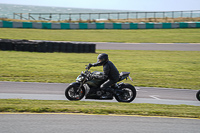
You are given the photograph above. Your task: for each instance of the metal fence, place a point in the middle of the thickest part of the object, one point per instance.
(106, 16)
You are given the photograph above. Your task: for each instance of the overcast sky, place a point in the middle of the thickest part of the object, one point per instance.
(143, 5)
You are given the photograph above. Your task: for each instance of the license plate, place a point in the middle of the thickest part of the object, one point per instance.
(130, 78)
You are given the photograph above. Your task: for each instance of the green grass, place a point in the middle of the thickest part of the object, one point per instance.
(50, 106)
(171, 69)
(131, 36)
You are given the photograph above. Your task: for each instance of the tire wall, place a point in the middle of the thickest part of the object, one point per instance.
(46, 46)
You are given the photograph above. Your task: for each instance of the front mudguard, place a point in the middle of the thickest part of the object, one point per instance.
(75, 84)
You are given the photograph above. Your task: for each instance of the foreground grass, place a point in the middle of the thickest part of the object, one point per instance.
(41, 106)
(170, 69)
(129, 36)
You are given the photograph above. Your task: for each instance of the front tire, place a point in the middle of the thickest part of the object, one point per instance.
(128, 94)
(73, 93)
(198, 95)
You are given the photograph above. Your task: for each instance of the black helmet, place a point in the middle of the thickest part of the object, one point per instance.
(102, 58)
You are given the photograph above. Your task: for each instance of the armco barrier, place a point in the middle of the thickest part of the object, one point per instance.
(27, 24)
(133, 26)
(91, 26)
(39, 25)
(166, 25)
(46, 46)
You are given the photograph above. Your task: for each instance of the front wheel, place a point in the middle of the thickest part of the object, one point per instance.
(73, 93)
(127, 94)
(198, 95)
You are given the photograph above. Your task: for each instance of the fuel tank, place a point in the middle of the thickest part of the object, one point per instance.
(95, 82)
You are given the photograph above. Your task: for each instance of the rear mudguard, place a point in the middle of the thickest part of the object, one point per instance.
(121, 84)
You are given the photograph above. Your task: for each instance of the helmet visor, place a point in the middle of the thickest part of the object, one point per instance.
(99, 60)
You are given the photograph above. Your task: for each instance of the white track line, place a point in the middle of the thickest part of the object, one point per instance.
(155, 97)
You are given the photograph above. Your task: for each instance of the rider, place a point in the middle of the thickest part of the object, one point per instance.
(110, 72)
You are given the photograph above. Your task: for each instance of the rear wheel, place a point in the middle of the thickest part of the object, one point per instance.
(73, 93)
(198, 95)
(127, 93)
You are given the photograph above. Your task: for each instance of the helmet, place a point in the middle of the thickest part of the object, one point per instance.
(102, 58)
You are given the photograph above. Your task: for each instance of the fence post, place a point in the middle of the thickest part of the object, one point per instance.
(136, 15)
(21, 16)
(50, 16)
(39, 16)
(127, 15)
(145, 15)
(89, 16)
(13, 15)
(118, 16)
(70, 16)
(79, 16)
(59, 17)
(28, 16)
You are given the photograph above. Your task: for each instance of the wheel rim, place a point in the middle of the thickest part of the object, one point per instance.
(75, 95)
(127, 94)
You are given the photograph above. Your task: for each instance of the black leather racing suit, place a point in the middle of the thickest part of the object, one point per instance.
(110, 74)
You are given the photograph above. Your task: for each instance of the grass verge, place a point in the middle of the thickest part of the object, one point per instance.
(170, 69)
(128, 36)
(42, 106)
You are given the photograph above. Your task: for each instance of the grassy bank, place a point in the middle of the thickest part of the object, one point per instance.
(129, 36)
(40, 106)
(171, 69)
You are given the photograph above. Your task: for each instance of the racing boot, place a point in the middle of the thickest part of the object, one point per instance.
(115, 92)
(107, 94)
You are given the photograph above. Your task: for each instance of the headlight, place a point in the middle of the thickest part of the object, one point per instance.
(80, 78)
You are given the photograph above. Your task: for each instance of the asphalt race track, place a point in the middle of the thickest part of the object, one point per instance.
(149, 46)
(55, 91)
(65, 123)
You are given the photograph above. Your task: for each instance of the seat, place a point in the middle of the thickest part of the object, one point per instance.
(123, 75)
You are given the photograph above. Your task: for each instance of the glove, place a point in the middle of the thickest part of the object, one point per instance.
(89, 66)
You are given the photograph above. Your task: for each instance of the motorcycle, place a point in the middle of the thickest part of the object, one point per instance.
(89, 87)
(198, 95)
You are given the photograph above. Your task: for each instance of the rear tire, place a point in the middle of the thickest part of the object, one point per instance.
(128, 95)
(198, 95)
(71, 93)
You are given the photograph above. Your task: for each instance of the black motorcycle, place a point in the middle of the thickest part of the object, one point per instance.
(198, 95)
(89, 87)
